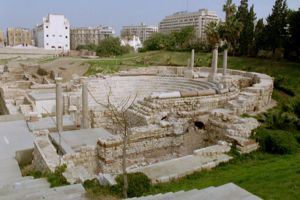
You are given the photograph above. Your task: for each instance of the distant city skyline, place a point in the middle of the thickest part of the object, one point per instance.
(114, 13)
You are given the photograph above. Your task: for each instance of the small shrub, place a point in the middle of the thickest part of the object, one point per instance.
(281, 120)
(56, 178)
(42, 72)
(29, 170)
(296, 108)
(138, 184)
(276, 141)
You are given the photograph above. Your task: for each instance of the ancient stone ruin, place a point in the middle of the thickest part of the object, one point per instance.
(185, 119)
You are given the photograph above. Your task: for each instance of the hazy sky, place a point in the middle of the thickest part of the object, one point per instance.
(115, 13)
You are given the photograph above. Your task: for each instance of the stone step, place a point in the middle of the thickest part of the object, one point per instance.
(14, 179)
(232, 192)
(175, 168)
(58, 193)
(9, 168)
(198, 194)
(229, 191)
(212, 150)
(26, 186)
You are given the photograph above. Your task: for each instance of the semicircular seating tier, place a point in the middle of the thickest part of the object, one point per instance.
(119, 88)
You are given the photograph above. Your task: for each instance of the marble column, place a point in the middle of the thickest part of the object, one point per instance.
(225, 54)
(59, 105)
(193, 59)
(214, 64)
(85, 106)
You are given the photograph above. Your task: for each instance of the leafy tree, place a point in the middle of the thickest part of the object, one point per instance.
(247, 18)
(229, 8)
(276, 28)
(90, 47)
(230, 33)
(294, 33)
(126, 34)
(159, 41)
(111, 47)
(182, 40)
(212, 32)
(259, 36)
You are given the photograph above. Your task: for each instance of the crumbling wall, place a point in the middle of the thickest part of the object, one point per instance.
(144, 143)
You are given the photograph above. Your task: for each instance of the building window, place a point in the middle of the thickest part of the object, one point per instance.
(60, 35)
(47, 35)
(66, 27)
(53, 35)
(46, 26)
(66, 45)
(66, 36)
(53, 47)
(47, 44)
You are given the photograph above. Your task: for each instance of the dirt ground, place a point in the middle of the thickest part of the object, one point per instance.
(64, 66)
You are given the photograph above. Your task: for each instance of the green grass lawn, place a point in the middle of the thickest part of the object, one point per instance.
(268, 176)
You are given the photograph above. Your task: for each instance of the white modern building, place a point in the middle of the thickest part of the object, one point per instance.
(134, 42)
(53, 33)
(198, 20)
(142, 31)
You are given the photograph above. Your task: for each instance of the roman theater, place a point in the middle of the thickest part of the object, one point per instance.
(182, 119)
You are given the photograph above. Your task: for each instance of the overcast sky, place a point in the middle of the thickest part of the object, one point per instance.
(115, 13)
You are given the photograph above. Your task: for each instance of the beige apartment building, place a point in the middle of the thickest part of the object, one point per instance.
(142, 31)
(89, 35)
(2, 38)
(179, 20)
(19, 36)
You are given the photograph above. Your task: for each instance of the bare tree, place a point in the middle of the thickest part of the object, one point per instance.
(121, 124)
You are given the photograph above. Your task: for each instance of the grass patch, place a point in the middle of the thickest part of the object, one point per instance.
(94, 191)
(47, 60)
(55, 178)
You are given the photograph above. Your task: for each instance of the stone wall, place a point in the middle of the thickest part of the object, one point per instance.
(45, 158)
(86, 157)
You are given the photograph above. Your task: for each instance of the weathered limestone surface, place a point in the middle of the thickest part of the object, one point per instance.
(174, 117)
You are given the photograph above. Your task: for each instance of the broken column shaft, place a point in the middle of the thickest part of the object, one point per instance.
(59, 105)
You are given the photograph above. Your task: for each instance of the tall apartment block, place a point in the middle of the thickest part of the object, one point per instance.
(19, 36)
(142, 31)
(179, 20)
(53, 33)
(90, 35)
